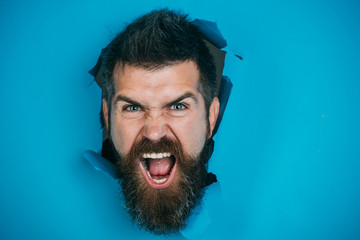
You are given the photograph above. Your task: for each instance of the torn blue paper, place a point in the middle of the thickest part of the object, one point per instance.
(211, 32)
(100, 163)
(224, 94)
(214, 36)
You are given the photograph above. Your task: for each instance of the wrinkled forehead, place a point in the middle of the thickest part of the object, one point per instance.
(177, 73)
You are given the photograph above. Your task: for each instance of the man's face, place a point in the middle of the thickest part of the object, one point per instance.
(159, 126)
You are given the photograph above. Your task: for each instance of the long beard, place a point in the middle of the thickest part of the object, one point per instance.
(165, 210)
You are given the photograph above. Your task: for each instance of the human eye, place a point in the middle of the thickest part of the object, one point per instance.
(131, 111)
(178, 106)
(132, 108)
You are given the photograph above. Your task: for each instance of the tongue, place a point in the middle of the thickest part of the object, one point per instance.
(161, 166)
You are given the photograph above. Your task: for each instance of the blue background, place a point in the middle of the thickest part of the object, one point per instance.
(287, 153)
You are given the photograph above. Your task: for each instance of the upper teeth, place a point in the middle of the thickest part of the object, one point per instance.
(156, 155)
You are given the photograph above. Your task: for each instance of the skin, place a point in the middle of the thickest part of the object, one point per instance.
(159, 103)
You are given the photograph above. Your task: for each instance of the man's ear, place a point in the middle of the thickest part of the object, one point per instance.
(106, 113)
(213, 114)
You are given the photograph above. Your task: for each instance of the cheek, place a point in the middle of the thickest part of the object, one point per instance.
(123, 134)
(191, 134)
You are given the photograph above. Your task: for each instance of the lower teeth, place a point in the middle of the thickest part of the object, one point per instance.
(160, 180)
(156, 180)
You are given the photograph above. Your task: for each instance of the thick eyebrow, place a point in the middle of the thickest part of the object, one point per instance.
(133, 102)
(126, 99)
(182, 97)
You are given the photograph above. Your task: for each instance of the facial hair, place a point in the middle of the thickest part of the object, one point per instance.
(164, 210)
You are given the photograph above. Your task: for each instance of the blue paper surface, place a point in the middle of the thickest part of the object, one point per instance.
(286, 154)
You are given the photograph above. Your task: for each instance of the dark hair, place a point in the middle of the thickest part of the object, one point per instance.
(155, 40)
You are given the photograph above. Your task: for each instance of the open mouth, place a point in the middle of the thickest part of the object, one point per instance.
(158, 168)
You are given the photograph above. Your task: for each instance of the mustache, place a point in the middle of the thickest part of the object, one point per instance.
(163, 145)
(173, 146)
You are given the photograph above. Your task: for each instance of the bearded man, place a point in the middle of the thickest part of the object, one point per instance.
(160, 108)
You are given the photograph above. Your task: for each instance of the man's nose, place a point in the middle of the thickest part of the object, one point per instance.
(155, 127)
